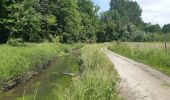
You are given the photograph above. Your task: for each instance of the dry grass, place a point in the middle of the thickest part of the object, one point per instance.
(153, 54)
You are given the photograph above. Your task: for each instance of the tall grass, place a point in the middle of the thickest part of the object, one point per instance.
(15, 61)
(98, 81)
(153, 54)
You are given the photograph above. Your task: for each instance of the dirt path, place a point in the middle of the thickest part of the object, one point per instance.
(139, 81)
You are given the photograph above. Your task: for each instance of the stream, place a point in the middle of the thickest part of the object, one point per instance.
(46, 84)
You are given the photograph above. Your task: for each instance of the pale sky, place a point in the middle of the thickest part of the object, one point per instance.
(154, 11)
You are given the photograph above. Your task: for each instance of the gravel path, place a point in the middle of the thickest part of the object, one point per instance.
(139, 81)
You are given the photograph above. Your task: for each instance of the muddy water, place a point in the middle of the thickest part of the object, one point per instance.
(45, 85)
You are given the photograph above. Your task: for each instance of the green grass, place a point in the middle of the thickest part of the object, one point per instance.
(98, 81)
(153, 54)
(15, 61)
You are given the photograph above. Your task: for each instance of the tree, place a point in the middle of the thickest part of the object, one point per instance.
(48, 22)
(4, 33)
(123, 18)
(2, 8)
(89, 20)
(129, 11)
(166, 28)
(107, 28)
(23, 21)
(153, 28)
(68, 20)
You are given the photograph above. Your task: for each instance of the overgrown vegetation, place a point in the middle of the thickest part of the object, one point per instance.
(39, 20)
(153, 54)
(75, 21)
(16, 61)
(98, 81)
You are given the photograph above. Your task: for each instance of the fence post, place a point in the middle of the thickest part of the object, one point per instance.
(166, 50)
(166, 43)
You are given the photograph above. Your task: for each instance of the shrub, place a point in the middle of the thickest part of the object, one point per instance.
(15, 42)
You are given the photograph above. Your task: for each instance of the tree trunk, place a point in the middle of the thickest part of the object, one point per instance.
(31, 36)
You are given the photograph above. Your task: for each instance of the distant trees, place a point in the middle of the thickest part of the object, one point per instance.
(123, 22)
(120, 21)
(127, 11)
(153, 28)
(166, 28)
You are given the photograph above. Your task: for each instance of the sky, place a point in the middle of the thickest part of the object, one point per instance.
(154, 11)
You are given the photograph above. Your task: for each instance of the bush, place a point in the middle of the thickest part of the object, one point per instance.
(15, 42)
(138, 36)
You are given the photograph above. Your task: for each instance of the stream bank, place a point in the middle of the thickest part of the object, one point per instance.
(45, 84)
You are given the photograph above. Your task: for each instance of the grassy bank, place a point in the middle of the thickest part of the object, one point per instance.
(153, 54)
(16, 61)
(98, 81)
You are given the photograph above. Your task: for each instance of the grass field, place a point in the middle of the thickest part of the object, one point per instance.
(15, 61)
(153, 54)
(98, 81)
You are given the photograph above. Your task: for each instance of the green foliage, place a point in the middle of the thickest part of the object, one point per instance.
(166, 28)
(89, 20)
(123, 18)
(51, 19)
(4, 34)
(107, 28)
(56, 39)
(127, 11)
(155, 53)
(23, 21)
(36, 20)
(98, 81)
(153, 28)
(68, 20)
(15, 42)
(74, 21)
(142, 36)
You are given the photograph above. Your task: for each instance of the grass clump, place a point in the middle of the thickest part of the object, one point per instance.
(153, 54)
(97, 82)
(16, 61)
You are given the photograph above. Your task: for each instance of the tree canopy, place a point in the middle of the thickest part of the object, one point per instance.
(166, 28)
(120, 21)
(153, 28)
(73, 21)
(38, 20)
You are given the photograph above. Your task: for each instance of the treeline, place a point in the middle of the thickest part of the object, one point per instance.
(123, 22)
(70, 21)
